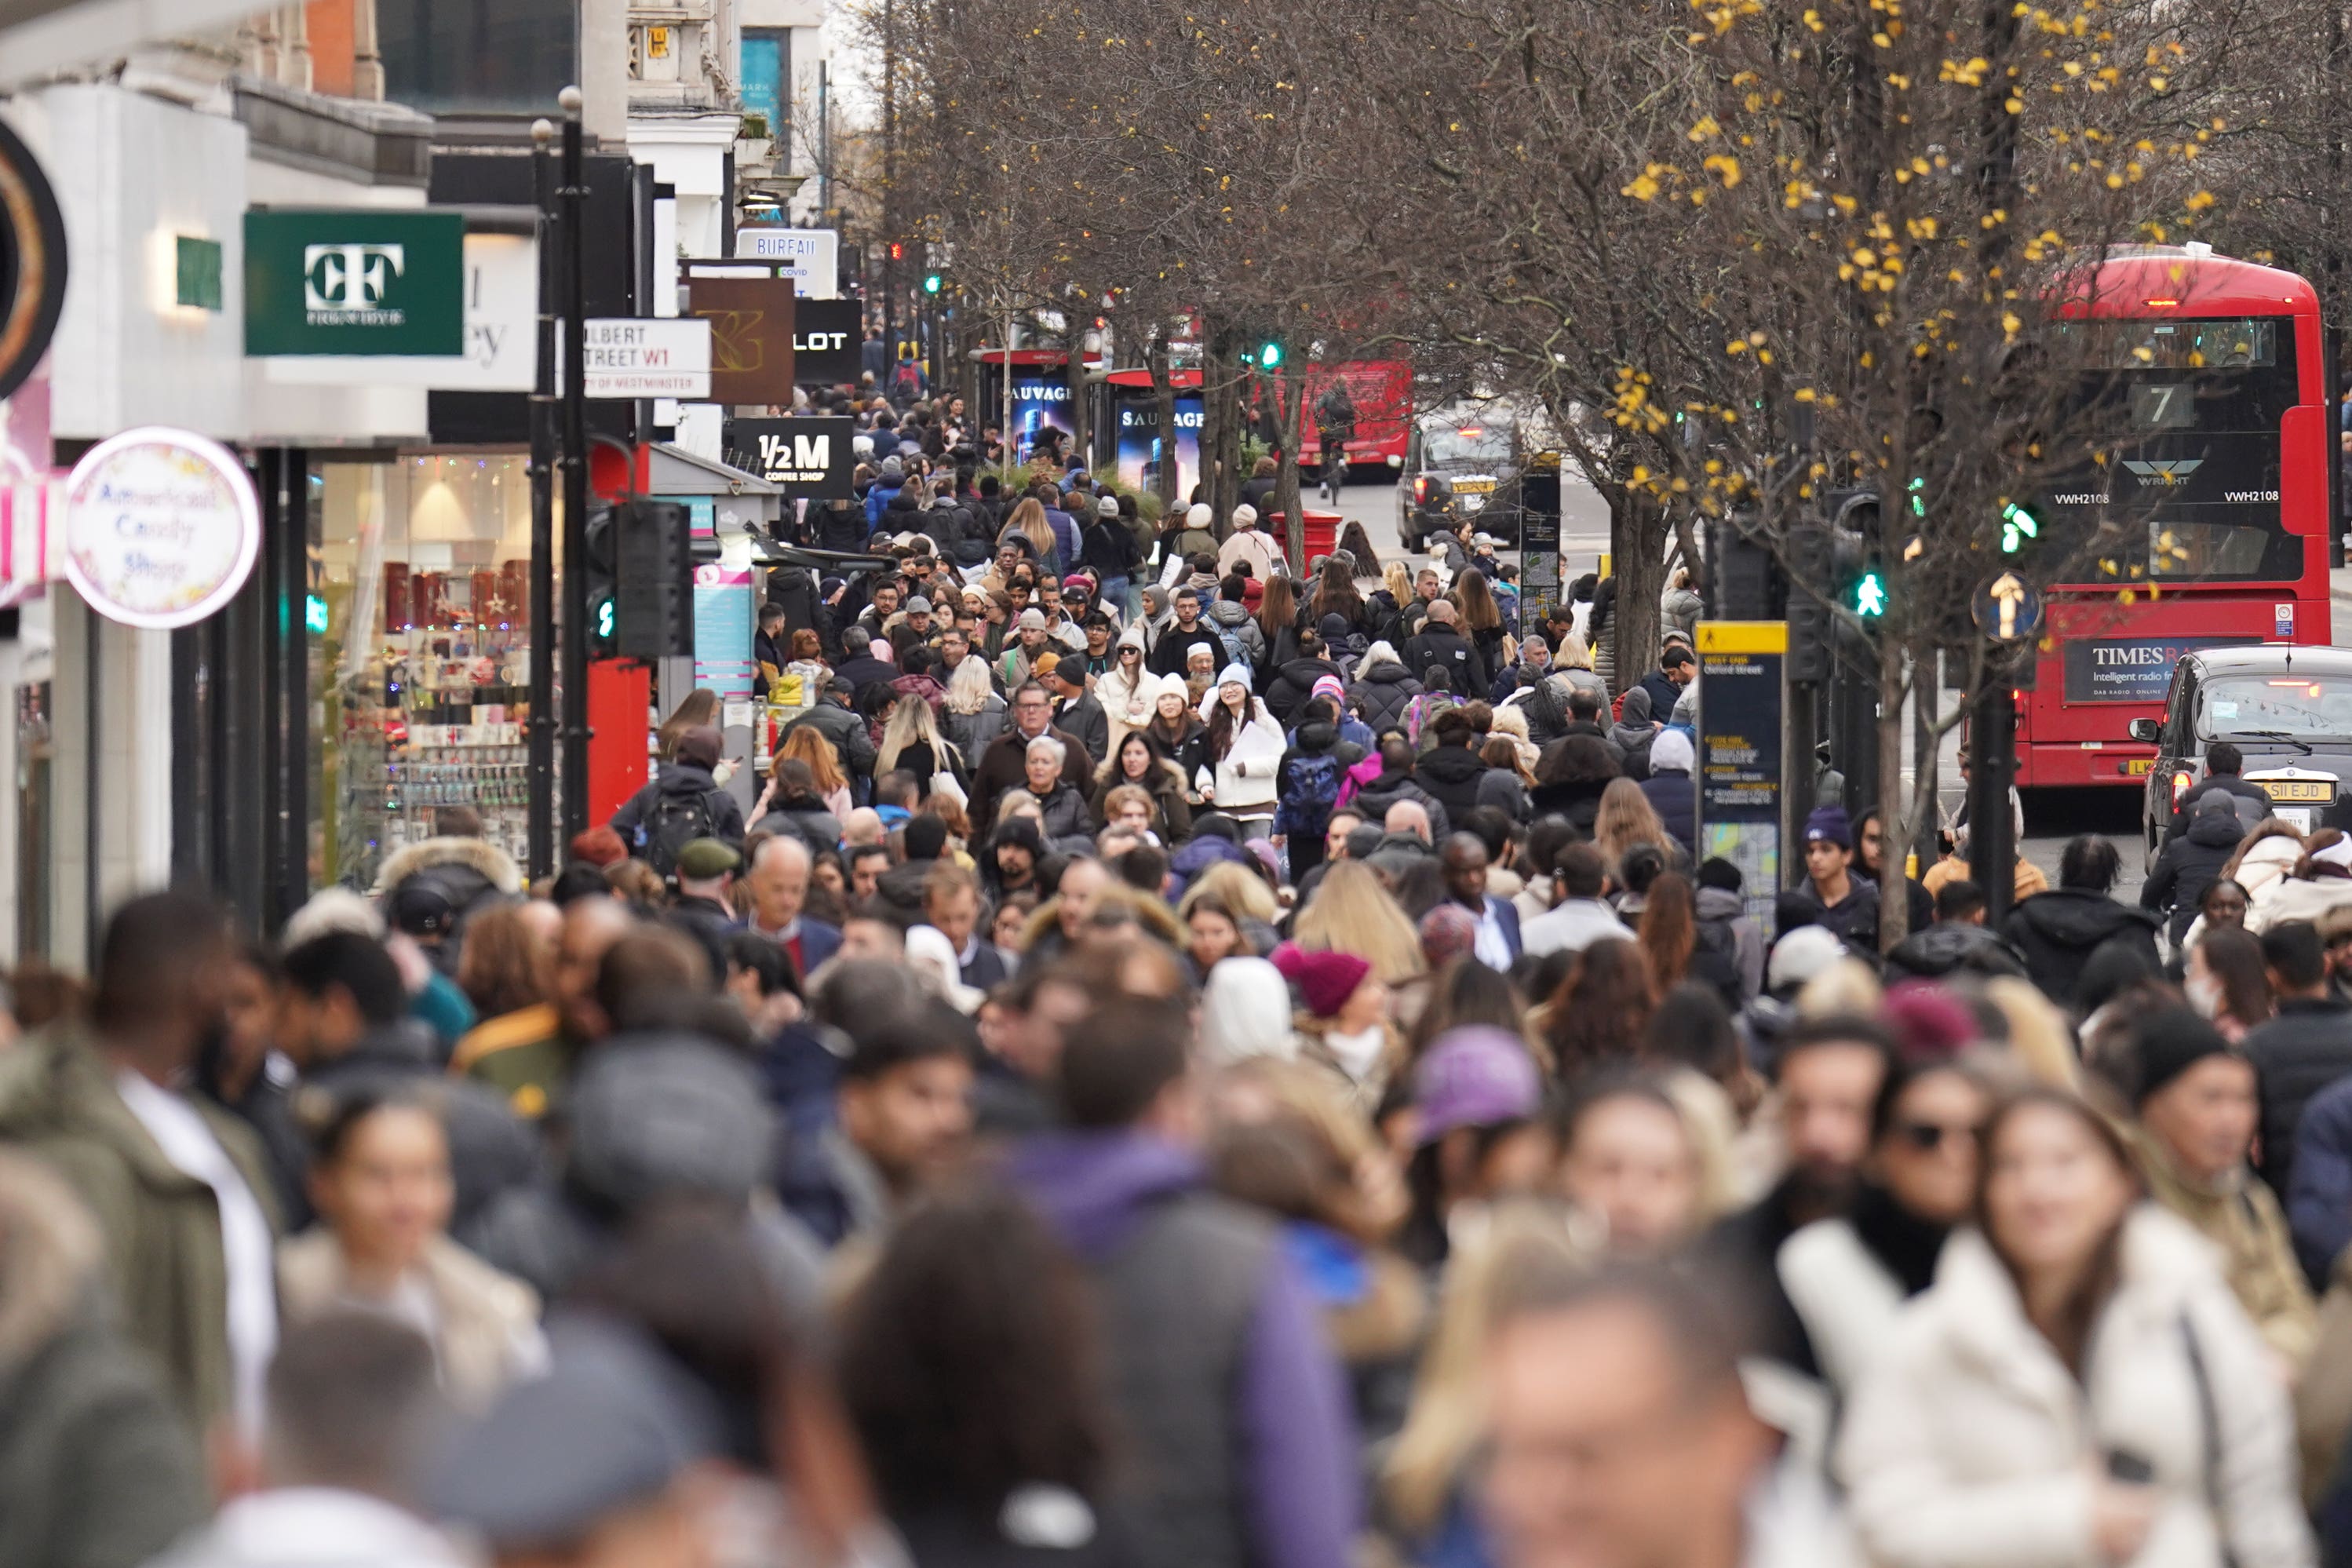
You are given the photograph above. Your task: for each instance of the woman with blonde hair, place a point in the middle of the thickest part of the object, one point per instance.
(975, 709)
(1353, 912)
(806, 743)
(1243, 892)
(1426, 1478)
(911, 743)
(1028, 521)
(1627, 818)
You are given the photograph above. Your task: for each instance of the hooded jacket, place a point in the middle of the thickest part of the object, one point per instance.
(1245, 1448)
(1633, 734)
(1127, 704)
(1164, 784)
(1723, 908)
(2058, 931)
(1451, 774)
(96, 1466)
(2297, 898)
(1439, 646)
(853, 746)
(1971, 1446)
(1671, 791)
(2187, 866)
(1245, 775)
(1384, 689)
(1231, 620)
(1384, 790)
(1941, 949)
(471, 869)
(1293, 686)
(805, 817)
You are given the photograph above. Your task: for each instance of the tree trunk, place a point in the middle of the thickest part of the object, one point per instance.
(1638, 551)
(1290, 405)
(1074, 374)
(1163, 397)
(1895, 803)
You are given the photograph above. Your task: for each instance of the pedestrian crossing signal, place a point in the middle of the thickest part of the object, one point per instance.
(933, 282)
(2017, 526)
(1269, 355)
(1869, 595)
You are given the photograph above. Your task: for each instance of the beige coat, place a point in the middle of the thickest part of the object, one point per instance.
(2243, 1220)
(1968, 1444)
(489, 1321)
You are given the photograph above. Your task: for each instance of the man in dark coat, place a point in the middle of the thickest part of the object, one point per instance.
(2059, 931)
(1076, 712)
(1294, 683)
(2188, 865)
(1450, 770)
(1440, 644)
(858, 666)
(1004, 764)
(2222, 762)
(831, 717)
(1395, 782)
(1671, 791)
(1187, 632)
(1382, 691)
(2304, 1047)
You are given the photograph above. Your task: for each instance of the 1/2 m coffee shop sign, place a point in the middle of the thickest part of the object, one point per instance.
(345, 282)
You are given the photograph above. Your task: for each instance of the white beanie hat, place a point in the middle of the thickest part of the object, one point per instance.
(1246, 516)
(1197, 516)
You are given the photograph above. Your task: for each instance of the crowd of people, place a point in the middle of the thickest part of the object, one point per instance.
(1131, 1091)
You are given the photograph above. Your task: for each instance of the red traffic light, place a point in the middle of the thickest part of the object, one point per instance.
(897, 251)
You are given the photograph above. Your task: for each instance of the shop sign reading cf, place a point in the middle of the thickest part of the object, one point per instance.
(345, 285)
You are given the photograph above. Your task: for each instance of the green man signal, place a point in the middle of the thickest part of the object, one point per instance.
(2017, 526)
(1869, 595)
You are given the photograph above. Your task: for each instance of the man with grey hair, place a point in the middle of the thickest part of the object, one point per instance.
(778, 880)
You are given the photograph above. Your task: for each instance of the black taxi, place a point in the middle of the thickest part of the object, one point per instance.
(2287, 710)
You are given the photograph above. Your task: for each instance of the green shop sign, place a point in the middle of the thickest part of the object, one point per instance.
(336, 281)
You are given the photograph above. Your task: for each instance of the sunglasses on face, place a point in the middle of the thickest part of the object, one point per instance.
(1928, 1136)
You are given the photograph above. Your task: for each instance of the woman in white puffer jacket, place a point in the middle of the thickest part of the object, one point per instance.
(2266, 857)
(2078, 1389)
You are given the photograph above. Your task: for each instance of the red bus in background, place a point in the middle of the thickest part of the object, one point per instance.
(1382, 392)
(2216, 367)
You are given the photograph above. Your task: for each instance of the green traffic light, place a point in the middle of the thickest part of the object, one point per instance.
(932, 283)
(1269, 355)
(605, 618)
(2017, 526)
(1870, 594)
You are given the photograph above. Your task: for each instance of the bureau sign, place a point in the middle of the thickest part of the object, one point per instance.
(162, 528)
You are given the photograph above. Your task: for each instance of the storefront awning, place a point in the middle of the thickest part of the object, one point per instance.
(678, 472)
(31, 534)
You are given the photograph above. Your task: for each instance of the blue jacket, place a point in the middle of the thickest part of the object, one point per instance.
(876, 499)
(2319, 1184)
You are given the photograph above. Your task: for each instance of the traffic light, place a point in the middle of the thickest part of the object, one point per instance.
(2016, 527)
(1861, 584)
(897, 251)
(1269, 354)
(934, 281)
(597, 570)
(1808, 618)
(653, 601)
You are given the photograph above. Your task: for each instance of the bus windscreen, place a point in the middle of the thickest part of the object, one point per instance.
(2188, 414)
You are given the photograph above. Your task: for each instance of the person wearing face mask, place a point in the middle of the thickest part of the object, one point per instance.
(2224, 979)
(1849, 1276)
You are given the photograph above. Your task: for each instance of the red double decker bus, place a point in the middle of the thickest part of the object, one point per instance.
(2212, 508)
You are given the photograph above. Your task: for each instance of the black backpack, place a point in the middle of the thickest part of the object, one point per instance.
(671, 824)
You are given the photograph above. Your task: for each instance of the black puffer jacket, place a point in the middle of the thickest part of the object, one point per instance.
(1452, 774)
(1373, 800)
(2189, 865)
(1953, 945)
(1382, 692)
(1294, 683)
(2060, 930)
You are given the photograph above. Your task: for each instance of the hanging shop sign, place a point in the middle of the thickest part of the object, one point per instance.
(750, 336)
(32, 262)
(354, 281)
(825, 343)
(808, 457)
(814, 255)
(161, 527)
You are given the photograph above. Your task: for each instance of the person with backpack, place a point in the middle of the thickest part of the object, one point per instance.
(1239, 635)
(1106, 548)
(682, 803)
(1307, 783)
(908, 382)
